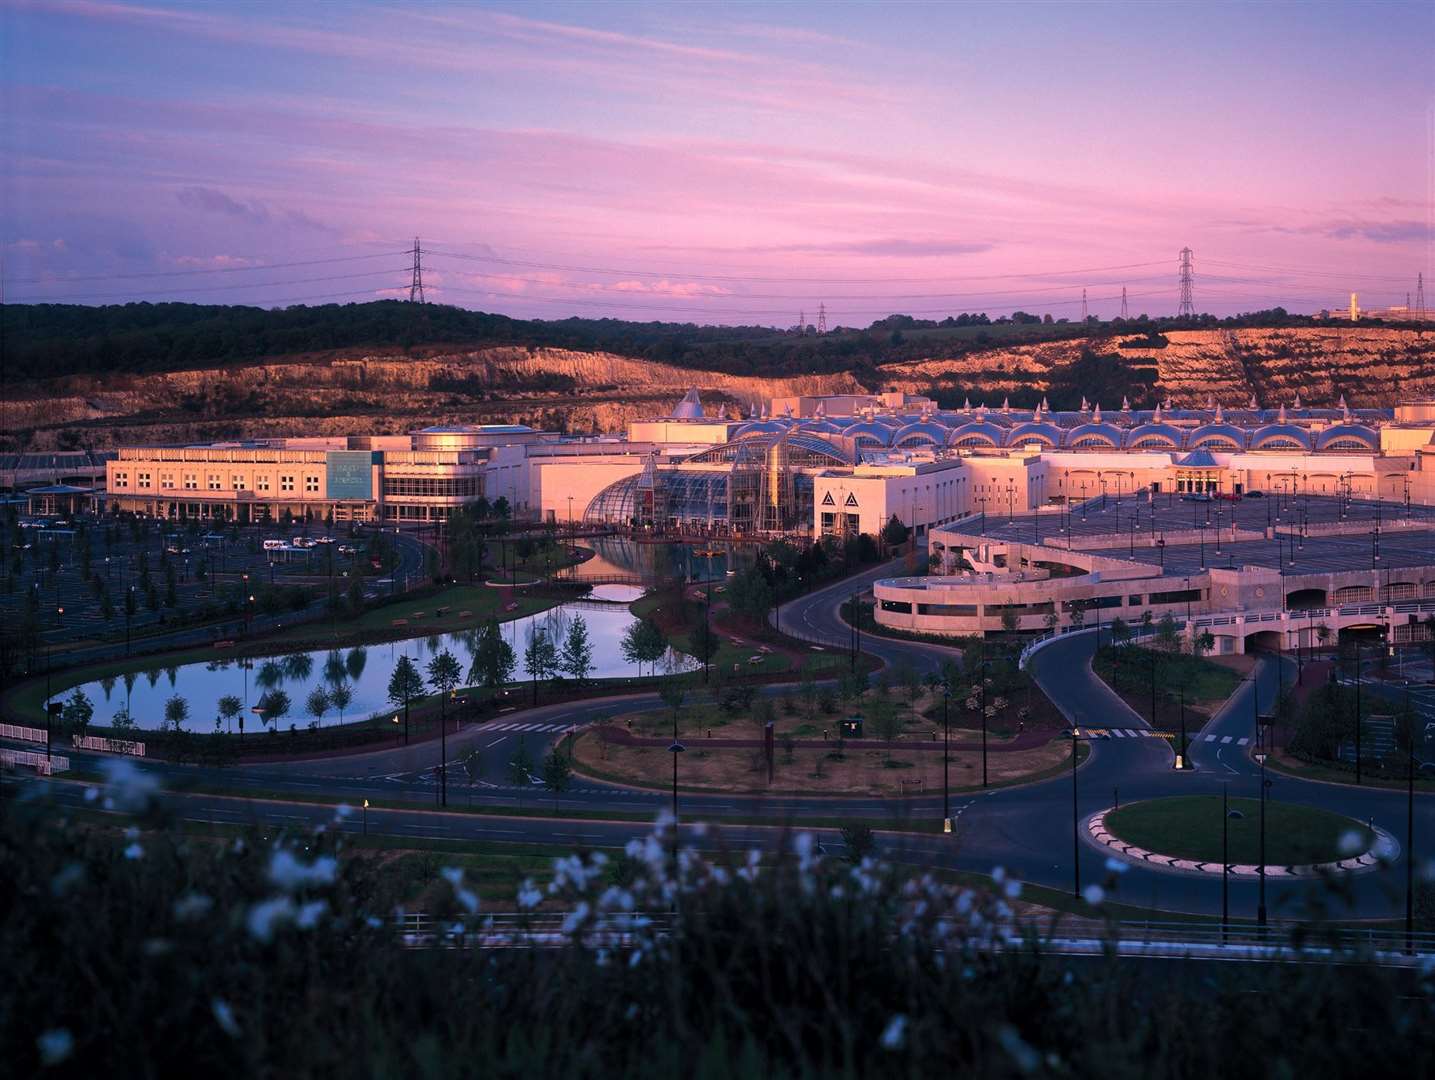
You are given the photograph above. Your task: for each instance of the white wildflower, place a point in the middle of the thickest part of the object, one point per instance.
(998, 874)
(894, 1036)
(1351, 842)
(615, 898)
(749, 872)
(466, 897)
(308, 915)
(575, 918)
(1021, 1052)
(132, 833)
(224, 1017)
(192, 905)
(373, 922)
(286, 871)
(128, 787)
(1012, 889)
(67, 879)
(342, 811)
(267, 916)
(1093, 895)
(91, 794)
(1116, 866)
(134, 851)
(529, 896)
(55, 1045)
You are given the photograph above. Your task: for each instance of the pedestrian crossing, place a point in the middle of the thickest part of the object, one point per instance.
(1130, 733)
(1226, 740)
(528, 727)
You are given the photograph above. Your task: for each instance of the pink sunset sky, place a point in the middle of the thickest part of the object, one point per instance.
(702, 163)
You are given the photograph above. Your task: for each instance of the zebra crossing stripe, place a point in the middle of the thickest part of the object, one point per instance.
(1242, 742)
(1226, 739)
(1210, 738)
(1142, 732)
(1118, 733)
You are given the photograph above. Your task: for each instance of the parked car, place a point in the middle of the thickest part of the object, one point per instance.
(274, 545)
(1255, 494)
(1195, 496)
(347, 549)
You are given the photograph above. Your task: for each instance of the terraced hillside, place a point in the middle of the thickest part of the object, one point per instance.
(344, 393)
(1368, 365)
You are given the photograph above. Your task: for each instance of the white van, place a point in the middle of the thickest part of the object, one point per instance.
(274, 545)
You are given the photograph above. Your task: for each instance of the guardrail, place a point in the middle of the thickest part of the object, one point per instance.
(43, 765)
(24, 734)
(109, 746)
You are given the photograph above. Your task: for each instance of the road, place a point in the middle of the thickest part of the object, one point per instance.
(1026, 829)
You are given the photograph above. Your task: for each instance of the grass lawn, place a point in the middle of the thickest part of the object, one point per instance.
(1127, 670)
(421, 615)
(1189, 827)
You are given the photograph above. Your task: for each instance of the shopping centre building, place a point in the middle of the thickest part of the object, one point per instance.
(802, 466)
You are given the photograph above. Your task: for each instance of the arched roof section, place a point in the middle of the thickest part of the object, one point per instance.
(820, 427)
(615, 504)
(759, 427)
(923, 432)
(1280, 437)
(803, 451)
(976, 433)
(1348, 437)
(870, 433)
(1034, 431)
(1155, 436)
(1221, 436)
(1090, 435)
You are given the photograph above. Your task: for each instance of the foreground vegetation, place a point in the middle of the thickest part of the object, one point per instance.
(166, 954)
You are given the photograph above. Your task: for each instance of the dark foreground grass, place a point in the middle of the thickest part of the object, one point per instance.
(1189, 827)
(164, 954)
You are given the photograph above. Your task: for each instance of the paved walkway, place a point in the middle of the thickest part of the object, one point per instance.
(1026, 741)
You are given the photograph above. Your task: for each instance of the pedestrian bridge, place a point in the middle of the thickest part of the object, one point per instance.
(1313, 627)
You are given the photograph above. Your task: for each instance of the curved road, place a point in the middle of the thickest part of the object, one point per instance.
(1027, 828)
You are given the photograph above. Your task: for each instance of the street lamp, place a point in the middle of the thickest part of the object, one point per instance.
(1261, 902)
(946, 758)
(366, 817)
(1409, 719)
(1075, 819)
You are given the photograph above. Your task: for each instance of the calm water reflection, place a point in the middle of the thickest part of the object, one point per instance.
(364, 669)
(652, 564)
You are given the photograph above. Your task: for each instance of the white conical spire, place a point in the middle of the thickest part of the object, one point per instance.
(1006, 404)
(966, 405)
(1045, 405)
(1156, 414)
(1125, 403)
(1219, 414)
(1281, 415)
(1210, 401)
(1253, 405)
(1344, 408)
(1096, 414)
(821, 410)
(1297, 401)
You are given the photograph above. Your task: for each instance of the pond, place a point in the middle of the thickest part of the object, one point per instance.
(651, 564)
(365, 670)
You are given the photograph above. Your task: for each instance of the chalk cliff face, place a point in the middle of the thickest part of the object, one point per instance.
(550, 388)
(584, 392)
(1369, 366)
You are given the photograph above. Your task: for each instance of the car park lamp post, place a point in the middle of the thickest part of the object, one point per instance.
(1410, 747)
(1261, 869)
(946, 759)
(1225, 860)
(366, 817)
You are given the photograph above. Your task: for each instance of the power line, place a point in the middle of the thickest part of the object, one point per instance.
(209, 270)
(201, 288)
(780, 280)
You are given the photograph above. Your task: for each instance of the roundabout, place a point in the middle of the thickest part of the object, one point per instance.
(1202, 834)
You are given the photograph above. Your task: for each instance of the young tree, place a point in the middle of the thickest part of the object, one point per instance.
(1203, 643)
(445, 673)
(318, 703)
(556, 775)
(673, 693)
(576, 659)
(704, 643)
(894, 532)
(405, 685)
(750, 595)
(493, 659)
(77, 713)
(275, 705)
(540, 658)
(520, 768)
(340, 695)
(882, 712)
(176, 712)
(643, 642)
(1168, 639)
(229, 707)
